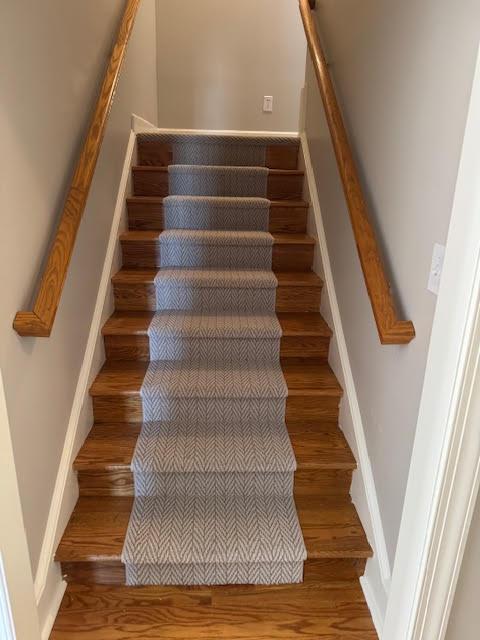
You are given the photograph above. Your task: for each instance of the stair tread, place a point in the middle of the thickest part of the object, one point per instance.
(217, 138)
(172, 379)
(219, 278)
(285, 278)
(303, 377)
(97, 528)
(125, 323)
(158, 169)
(317, 446)
(328, 605)
(279, 238)
(273, 203)
(227, 522)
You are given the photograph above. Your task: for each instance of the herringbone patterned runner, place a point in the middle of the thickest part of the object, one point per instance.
(213, 466)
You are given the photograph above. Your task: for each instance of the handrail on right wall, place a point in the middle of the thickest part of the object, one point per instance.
(391, 329)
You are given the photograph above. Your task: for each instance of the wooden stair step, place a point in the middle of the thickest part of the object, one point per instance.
(324, 460)
(313, 391)
(291, 251)
(286, 216)
(298, 291)
(97, 528)
(160, 154)
(282, 184)
(328, 605)
(126, 338)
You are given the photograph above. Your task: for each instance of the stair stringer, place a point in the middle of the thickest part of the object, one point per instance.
(376, 580)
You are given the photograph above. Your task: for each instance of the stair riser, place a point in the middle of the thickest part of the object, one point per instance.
(141, 297)
(128, 408)
(119, 483)
(160, 154)
(137, 347)
(146, 254)
(148, 216)
(155, 183)
(113, 572)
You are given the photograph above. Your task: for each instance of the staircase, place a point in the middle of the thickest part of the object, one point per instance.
(197, 291)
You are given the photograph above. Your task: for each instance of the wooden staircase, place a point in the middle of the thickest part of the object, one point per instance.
(330, 603)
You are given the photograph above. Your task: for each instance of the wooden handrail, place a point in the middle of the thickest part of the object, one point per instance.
(391, 329)
(39, 321)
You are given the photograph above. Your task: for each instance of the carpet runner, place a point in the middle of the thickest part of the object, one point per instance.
(213, 466)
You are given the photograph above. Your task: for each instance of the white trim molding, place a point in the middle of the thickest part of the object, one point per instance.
(444, 474)
(364, 493)
(215, 132)
(7, 631)
(18, 611)
(49, 586)
(139, 124)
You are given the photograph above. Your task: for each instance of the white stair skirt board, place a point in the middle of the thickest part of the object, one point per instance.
(376, 581)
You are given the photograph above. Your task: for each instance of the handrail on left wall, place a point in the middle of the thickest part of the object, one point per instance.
(39, 321)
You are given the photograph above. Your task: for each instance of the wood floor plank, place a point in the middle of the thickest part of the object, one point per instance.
(104, 613)
(329, 605)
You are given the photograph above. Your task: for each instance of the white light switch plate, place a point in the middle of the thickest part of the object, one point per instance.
(436, 268)
(268, 104)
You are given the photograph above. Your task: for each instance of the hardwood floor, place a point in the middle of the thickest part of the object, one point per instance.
(329, 604)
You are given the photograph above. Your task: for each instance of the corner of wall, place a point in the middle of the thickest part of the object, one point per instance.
(376, 581)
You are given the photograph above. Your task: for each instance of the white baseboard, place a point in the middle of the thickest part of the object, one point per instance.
(375, 598)
(52, 606)
(215, 132)
(376, 582)
(49, 586)
(7, 628)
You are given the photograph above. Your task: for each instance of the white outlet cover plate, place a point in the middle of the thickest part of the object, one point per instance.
(268, 104)
(436, 268)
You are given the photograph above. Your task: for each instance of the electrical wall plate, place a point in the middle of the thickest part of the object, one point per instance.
(436, 268)
(268, 104)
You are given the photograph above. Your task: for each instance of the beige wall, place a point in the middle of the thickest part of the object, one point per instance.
(465, 617)
(403, 72)
(53, 55)
(217, 59)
